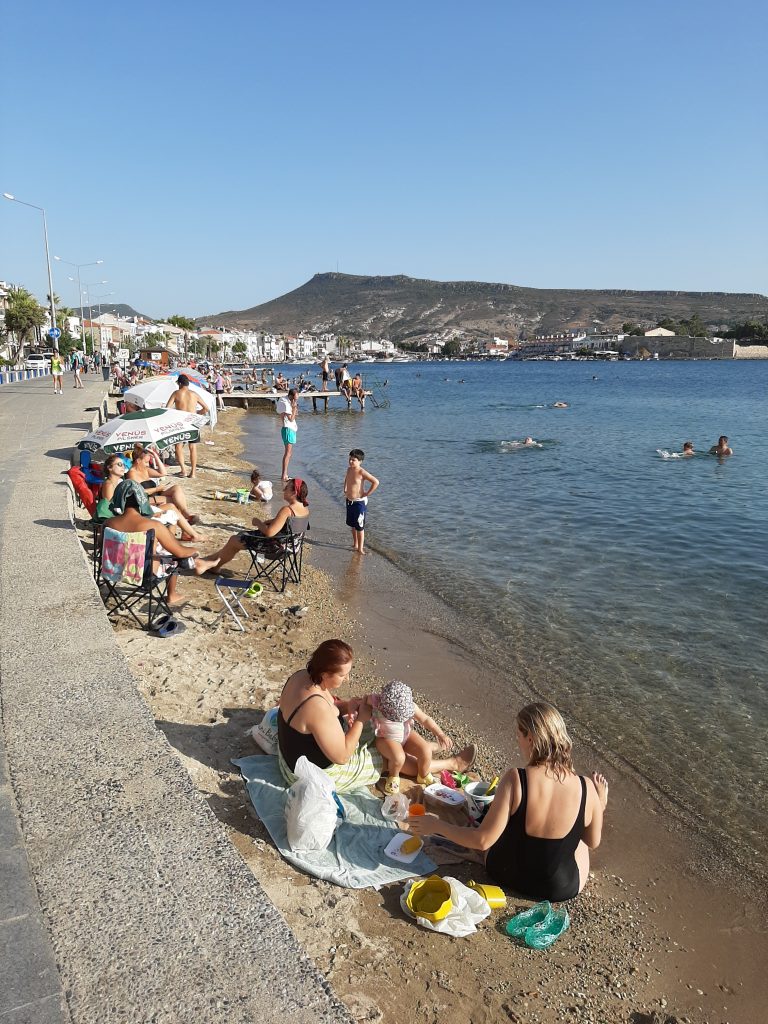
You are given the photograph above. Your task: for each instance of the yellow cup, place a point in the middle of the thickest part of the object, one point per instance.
(492, 894)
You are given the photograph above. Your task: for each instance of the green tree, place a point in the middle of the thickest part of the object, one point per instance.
(184, 322)
(451, 348)
(23, 314)
(751, 331)
(633, 329)
(153, 338)
(239, 348)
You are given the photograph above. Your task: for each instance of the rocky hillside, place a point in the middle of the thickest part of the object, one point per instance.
(407, 309)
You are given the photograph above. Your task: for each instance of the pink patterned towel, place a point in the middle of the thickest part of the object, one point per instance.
(122, 557)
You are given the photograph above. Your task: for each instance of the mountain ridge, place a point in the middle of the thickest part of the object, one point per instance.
(406, 309)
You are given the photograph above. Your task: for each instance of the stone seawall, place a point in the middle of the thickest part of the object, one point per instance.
(680, 347)
(750, 351)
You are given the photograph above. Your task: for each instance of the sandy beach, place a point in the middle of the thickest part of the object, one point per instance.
(667, 930)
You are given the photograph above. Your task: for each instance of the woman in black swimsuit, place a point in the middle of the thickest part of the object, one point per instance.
(544, 820)
(296, 505)
(310, 722)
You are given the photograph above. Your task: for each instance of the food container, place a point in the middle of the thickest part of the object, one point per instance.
(443, 795)
(477, 801)
(430, 898)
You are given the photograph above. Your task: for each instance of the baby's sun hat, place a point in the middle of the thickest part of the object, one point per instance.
(396, 701)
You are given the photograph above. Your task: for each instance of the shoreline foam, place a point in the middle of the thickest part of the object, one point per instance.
(639, 906)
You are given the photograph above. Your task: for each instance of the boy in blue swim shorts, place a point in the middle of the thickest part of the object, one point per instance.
(357, 495)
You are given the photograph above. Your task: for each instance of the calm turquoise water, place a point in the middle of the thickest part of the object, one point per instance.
(629, 589)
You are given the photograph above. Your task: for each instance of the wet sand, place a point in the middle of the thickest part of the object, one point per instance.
(665, 928)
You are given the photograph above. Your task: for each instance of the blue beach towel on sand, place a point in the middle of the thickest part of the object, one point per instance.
(355, 859)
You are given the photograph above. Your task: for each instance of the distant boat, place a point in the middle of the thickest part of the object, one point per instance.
(384, 359)
(401, 359)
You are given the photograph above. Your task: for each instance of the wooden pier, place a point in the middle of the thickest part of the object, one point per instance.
(248, 399)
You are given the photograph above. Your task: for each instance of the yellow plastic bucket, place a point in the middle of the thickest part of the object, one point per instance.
(492, 894)
(430, 898)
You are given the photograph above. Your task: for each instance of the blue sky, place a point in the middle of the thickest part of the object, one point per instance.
(217, 155)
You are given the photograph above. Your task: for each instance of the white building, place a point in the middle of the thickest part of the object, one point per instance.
(659, 332)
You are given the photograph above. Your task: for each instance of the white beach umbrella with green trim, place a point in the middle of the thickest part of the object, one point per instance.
(155, 392)
(161, 427)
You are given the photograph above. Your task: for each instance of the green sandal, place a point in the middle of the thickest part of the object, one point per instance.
(541, 936)
(539, 914)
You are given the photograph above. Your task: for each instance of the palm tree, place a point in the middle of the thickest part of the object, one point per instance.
(22, 315)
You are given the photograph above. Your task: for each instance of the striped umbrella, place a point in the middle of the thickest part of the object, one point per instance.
(160, 427)
(193, 375)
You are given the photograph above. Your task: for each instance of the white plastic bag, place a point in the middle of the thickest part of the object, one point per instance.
(310, 809)
(467, 911)
(265, 733)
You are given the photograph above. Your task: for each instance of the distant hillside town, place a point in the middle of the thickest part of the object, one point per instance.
(121, 333)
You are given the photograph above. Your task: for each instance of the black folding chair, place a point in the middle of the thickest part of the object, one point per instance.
(279, 558)
(147, 602)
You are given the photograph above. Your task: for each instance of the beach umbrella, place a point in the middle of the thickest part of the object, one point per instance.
(160, 427)
(155, 392)
(193, 375)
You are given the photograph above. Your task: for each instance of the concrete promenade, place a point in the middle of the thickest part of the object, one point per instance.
(121, 898)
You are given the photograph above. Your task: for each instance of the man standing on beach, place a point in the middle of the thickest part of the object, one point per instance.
(288, 408)
(185, 400)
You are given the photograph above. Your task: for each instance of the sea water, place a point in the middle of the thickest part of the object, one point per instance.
(628, 588)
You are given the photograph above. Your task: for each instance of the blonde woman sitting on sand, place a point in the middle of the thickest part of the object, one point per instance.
(295, 495)
(309, 723)
(545, 818)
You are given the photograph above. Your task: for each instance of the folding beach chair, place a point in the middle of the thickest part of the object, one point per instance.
(127, 580)
(279, 558)
(227, 589)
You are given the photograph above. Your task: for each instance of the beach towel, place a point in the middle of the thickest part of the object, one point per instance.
(363, 769)
(122, 557)
(355, 858)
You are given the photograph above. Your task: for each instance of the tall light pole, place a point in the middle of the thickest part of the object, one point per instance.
(77, 267)
(7, 195)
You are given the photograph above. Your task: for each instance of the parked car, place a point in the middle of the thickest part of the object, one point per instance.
(37, 363)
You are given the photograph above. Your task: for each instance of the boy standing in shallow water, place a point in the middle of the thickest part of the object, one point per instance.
(357, 497)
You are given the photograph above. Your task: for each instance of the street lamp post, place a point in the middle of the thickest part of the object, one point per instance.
(77, 267)
(7, 195)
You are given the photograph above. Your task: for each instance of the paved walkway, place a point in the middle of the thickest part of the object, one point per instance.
(121, 897)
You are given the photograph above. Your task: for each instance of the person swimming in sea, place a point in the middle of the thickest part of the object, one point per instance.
(721, 448)
(559, 405)
(527, 442)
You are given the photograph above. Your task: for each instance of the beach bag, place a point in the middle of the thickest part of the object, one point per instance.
(311, 812)
(265, 733)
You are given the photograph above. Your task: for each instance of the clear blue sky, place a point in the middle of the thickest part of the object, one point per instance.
(216, 155)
